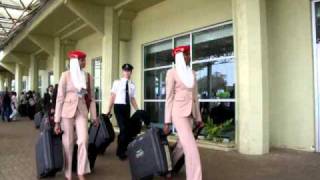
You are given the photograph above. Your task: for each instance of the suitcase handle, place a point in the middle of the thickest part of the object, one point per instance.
(109, 116)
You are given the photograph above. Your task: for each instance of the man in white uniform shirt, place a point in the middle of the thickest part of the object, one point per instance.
(122, 95)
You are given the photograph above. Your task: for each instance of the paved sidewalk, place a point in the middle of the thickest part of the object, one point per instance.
(17, 161)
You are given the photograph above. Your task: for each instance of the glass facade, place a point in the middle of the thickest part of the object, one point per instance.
(213, 61)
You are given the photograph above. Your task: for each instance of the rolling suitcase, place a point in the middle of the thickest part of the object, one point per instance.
(92, 156)
(37, 119)
(149, 155)
(92, 149)
(135, 124)
(49, 154)
(178, 155)
(103, 135)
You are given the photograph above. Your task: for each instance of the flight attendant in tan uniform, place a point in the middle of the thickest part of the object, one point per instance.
(72, 112)
(182, 107)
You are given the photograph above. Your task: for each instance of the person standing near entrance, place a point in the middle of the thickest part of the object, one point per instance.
(122, 95)
(182, 107)
(48, 98)
(74, 100)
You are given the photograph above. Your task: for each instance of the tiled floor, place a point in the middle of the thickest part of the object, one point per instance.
(17, 161)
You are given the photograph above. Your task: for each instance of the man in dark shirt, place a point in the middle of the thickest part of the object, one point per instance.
(6, 106)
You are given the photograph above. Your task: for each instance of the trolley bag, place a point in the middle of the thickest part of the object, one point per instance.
(177, 153)
(92, 156)
(37, 119)
(149, 155)
(49, 155)
(57, 152)
(103, 135)
(92, 150)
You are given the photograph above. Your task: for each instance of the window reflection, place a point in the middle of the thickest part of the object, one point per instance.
(216, 80)
(317, 7)
(182, 41)
(159, 54)
(96, 69)
(155, 84)
(155, 110)
(220, 114)
(213, 43)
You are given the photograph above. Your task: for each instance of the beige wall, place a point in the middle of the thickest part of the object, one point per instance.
(164, 20)
(291, 74)
(92, 46)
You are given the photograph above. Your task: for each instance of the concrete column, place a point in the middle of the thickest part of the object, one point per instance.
(18, 79)
(123, 54)
(10, 79)
(58, 63)
(44, 80)
(33, 74)
(110, 53)
(2, 83)
(252, 80)
(6, 82)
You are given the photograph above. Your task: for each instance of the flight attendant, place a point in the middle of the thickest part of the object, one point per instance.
(122, 96)
(73, 103)
(182, 108)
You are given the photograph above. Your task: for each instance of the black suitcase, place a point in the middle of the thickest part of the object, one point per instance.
(149, 155)
(92, 156)
(92, 149)
(103, 135)
(135, 124)
(177, 153)
(49, 154)
(37, 119)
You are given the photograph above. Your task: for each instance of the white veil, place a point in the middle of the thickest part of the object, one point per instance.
(77, 75)
(184, 72)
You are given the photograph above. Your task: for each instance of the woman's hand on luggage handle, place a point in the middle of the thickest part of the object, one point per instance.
(166, 129)
(95, 122)
(57, 128)
(199, 124)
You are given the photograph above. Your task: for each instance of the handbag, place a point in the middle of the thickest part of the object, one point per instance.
(87, 97)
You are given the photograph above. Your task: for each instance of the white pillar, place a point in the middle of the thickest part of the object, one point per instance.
(252, 80)
(110, 53)
(2, 83)
(18, 79)
(33, 74)
(44, 80)
(58, 65)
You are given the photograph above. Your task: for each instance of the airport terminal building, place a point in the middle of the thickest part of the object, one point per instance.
(256, 61)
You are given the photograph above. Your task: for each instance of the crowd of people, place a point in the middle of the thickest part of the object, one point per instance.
(27, 105)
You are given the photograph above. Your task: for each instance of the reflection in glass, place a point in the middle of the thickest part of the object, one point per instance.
(96, 69)
(317, 9)
(158, 54)
(219, 114)
(182, 41)
(155, 110)
(213, 43)
(154, 84)
(216, 80)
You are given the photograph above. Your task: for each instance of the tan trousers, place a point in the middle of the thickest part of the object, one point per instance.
(80, 124)
(190, 148)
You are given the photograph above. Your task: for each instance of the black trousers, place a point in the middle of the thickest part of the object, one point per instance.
(122, 112)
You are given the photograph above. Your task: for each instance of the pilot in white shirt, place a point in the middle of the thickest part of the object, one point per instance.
(122, 95)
